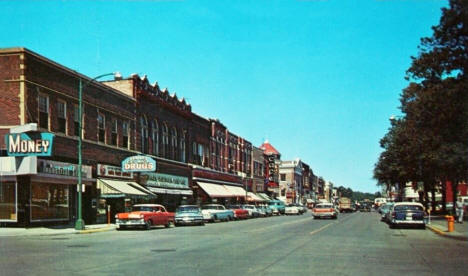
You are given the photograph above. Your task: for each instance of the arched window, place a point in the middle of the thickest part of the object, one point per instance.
(174, 143)
(144, 134)
(182, 146)
(165, 141)
(155, 136)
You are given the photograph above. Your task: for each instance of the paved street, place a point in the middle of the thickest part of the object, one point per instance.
(355, 244)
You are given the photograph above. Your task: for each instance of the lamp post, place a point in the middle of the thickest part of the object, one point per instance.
(80, 225)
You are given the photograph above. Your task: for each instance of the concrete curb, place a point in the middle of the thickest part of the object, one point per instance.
(446, 234)
(96, 230)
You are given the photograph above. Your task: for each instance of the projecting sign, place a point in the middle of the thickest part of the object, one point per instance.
(138, 163)
(29, 144)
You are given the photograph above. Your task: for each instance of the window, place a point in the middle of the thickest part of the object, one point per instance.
(182, 146)
(165, 152)
(174, 143)
(144, 134)
(114, 133)
(62, 116)
(283, 177)
(76, 120)
(8, 201)
(43, 111)
(155, 137)
(49, 202)
(101, 128)
(125, 134)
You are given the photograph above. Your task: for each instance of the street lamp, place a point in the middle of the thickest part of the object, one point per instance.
(80, 225)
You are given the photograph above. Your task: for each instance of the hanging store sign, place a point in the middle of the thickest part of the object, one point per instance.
(63, 169)
(113, 171)
(164, 180)
(138, 163)
(29, 144)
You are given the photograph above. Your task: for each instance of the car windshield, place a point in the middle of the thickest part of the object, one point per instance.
(206, 207)
(408, 208)
(187, 209)
(142, 209)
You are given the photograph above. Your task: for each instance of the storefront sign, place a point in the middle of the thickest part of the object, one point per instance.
(138, 163)
(29, 144)
(164, 180)
(63, 169)
(113, 171)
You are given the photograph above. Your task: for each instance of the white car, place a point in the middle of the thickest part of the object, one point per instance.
(253, 211)
(292, 209)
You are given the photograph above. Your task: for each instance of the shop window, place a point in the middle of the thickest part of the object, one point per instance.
(49, 202)
(125, 134)
(43, 111)
(101, 128)
(8, 201)
(76, 120)
(62, 116)
(114, 133)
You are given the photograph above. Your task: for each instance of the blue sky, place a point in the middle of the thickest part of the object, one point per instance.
(318, 79)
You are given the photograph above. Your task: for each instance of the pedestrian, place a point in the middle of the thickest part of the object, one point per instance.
(460, 210)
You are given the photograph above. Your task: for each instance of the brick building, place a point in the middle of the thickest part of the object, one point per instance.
(37, 90)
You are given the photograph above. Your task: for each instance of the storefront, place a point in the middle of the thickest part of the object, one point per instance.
(40, 191)
(172, 190)
(118, 192)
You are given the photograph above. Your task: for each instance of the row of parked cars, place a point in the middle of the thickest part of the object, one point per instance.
(403, 214)
(148, 215)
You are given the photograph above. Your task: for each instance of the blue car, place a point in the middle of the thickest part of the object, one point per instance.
(189, 215)
(407, 214)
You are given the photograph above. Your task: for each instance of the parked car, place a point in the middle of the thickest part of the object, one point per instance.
(407, 214)
(292, 209)
(253, 211)
(214, 212)
(266, 209)
(365, 207)
(385, 210)
(189, 215)
(302, 208)
(239, 213)
(277, 206)
(145, 215)
(324, 210)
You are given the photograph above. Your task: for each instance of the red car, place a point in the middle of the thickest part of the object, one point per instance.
(145, 215)
(239, 213)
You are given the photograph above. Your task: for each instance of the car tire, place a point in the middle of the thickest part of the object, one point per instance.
(315, 217)
(169, 224)
(214, 219)
(202, 223)
(148, 224)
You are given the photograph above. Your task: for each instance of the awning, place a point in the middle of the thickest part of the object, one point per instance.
(170, 191)
(235, 190)
(215, 190)
(120, 188)
(253, 197)
(264, 196)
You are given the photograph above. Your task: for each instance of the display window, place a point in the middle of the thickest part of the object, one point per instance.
(49, 202)
(8, 202)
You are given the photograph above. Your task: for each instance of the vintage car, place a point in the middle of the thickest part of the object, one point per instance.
(253, 211)
(322, 210)
(214, 212)
(292, 209)
(277, 206)
(407, 214)
(239, 213)
(145, 215)
(265, 209)
(189, 214)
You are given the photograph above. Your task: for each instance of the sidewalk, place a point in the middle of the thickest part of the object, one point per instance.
(54, 230)
(438, 224)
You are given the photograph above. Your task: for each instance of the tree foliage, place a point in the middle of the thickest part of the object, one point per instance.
(430, 142)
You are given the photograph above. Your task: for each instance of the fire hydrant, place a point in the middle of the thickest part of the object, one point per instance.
(450, 223)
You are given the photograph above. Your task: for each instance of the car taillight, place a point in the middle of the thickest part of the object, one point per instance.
(331, 209)
(116, 216)
(142, 216)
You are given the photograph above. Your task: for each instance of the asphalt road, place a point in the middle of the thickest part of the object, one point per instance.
(354, 244)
